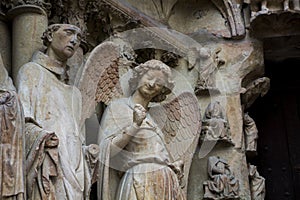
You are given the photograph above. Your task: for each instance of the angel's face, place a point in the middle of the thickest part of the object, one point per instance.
(152, 83)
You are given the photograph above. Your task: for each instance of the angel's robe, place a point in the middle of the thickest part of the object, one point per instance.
(144, 162)
(55, 107)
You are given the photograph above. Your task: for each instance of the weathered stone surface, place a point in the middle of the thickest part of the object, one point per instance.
(216, 50)
(29, 23)
(5, 41)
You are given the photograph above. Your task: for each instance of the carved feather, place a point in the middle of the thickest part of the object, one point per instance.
(181, 127)
(99, 81)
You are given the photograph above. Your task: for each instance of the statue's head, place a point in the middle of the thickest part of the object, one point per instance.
(153, 68)
(62, 40)
(214, 110)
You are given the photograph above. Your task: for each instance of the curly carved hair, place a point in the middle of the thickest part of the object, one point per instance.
(48, 32)
(140, 70)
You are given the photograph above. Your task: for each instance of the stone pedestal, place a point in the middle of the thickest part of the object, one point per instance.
(28, 24)
(5, 42)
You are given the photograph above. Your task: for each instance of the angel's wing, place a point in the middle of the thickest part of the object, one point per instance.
(99, 81)
(180, 122)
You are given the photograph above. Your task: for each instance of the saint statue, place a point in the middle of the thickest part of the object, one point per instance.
(56, 163)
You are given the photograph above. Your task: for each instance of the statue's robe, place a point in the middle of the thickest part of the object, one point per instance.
(56, 107)
(144, 163)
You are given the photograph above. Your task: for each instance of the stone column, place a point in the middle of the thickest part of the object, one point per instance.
(5, 42)
(29, 23)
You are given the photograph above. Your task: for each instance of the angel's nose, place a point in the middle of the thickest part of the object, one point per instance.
(152, 82)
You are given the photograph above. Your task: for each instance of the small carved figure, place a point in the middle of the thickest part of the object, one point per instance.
(261, 6)
(250, 131)
(257, 184)
(149, 145)
(207, 64)
(55, 142)
(215, 127)
(222, 183)
(258, 87)
(12, 168)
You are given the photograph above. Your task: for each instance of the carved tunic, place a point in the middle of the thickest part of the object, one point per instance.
(56, 107)
(145, 160)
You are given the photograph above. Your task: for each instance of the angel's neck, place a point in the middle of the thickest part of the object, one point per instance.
(137, 98)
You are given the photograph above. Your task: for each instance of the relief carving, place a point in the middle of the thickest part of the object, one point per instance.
(255, 89)
(232, 11)
(222, 183)
(250, 133)
(259, 7)
(257, 184)
(207, 63)
(214, 125)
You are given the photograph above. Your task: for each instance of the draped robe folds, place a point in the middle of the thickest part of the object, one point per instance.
(12, 181)
(222, 184)
(144, 163)
(11, 147)
(56, 108)
(257, 184)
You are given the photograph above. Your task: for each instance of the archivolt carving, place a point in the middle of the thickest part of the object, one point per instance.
(232, 11)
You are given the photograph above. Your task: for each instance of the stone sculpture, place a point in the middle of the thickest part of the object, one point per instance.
(257, 88)
(257, 184)
(149, 146)
(55, 143)
(250, 131)
(222, 183)
(215, 126)
(262, 6)
(12, 182)
(207, 63)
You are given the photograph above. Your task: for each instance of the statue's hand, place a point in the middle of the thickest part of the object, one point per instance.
(139, 114)
(52, 142)
(4, 96)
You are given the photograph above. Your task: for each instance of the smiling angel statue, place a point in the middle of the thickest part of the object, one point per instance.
(147, 142)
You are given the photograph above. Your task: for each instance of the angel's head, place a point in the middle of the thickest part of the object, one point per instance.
(61, 40)
(153, 78)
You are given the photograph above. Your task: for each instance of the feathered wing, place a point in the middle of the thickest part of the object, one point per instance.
(99, 81)
(180, 121)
